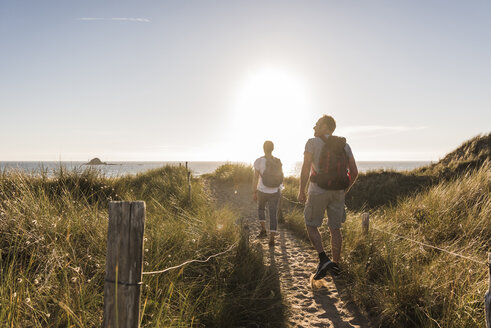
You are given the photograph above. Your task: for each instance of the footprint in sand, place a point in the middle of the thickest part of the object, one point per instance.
(301, 297)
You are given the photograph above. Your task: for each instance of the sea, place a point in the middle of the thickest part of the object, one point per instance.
(115, 169)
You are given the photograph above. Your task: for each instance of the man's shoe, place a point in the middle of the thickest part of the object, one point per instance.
(262, 234)
(324, 266)
(335, 270)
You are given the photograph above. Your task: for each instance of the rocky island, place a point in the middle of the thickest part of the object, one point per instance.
(96, 161)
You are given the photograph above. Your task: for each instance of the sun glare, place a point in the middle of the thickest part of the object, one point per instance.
(271, 104)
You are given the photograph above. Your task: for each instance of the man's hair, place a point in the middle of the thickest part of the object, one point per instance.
(268, 147)
(329, 121)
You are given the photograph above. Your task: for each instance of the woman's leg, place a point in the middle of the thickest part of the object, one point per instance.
(273, 219)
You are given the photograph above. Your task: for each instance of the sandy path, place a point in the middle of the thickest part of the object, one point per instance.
(324, 306)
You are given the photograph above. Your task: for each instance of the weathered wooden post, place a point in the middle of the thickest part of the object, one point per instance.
(365, 223)
(124, 264)
(487, 297)
(244, 230)
(189, 185)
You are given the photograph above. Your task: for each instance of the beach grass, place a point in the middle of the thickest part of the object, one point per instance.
(53, 246)
(232, 174)
(405, 284)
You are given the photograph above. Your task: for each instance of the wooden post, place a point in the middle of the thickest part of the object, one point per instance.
(244, 229)
(365, 222)
(124, 264)
(487, 297)
(246, 233)
(189, 185)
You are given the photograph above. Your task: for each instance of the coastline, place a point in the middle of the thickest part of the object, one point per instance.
(118, 168)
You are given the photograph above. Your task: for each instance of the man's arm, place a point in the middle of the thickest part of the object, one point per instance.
(255, 180)
(353, 171)
(304, 176)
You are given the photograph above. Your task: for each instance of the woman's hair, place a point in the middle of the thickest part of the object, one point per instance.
(268, 147)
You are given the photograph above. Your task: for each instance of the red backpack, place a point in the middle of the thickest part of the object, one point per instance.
(333, 173)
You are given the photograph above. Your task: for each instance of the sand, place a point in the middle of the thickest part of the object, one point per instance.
(324, 303)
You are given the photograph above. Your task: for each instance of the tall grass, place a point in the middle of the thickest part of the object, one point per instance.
(232, 174)
(53, 242)
(403, 284)
(379, 187)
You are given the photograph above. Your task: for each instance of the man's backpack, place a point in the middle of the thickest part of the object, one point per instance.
(333, 173)
(273, 174)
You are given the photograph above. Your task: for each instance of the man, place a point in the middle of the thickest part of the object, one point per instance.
(266, 189)
(318, 155)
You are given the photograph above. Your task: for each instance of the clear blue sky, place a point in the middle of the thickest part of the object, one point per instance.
(210, 80)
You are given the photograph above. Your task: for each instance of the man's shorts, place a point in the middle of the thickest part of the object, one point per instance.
(333, 201)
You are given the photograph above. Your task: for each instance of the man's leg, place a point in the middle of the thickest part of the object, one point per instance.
(325, 264)
(336, 215)
(314, 215)
(263, 226)
(315, 238)
(336, 243)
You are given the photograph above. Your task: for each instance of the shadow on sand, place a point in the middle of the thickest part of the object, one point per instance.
(328, 305)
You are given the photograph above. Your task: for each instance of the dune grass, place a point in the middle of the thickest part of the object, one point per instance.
(403, 284)
(52, 253)
(378, 187)
(232, 174)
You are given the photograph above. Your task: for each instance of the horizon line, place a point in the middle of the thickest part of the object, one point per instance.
(204, 161)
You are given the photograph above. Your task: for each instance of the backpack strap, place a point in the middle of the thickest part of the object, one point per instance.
(313, 172)
(264, 166)
(265, 163)
(323, 137)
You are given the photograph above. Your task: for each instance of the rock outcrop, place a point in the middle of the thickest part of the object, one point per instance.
(96, 161)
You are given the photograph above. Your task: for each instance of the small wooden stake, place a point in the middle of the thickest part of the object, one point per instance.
(487, 297)
(244, 229)
(189, 185)
(124, 264)
(365, 222)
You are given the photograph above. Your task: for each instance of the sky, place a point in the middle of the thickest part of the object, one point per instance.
(211, 80)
